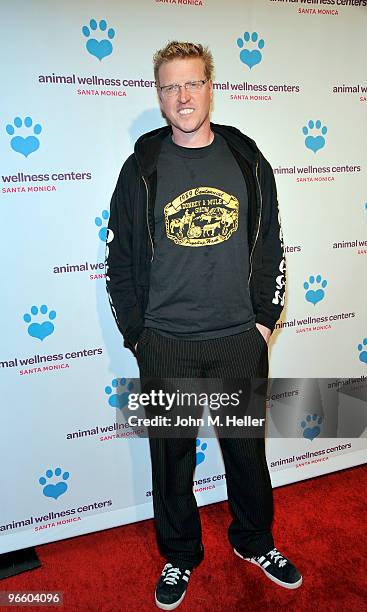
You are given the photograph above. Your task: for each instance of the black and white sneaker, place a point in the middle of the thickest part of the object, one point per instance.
(277, 567)
(171, 587)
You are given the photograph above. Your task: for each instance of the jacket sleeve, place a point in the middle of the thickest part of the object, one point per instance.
(119, 257)
(271, 277)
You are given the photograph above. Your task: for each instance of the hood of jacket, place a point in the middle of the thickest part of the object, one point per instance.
(148, 146)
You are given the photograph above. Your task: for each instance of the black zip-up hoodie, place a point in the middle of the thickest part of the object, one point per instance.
(130, 240)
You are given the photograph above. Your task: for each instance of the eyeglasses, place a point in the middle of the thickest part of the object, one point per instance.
(192, 86)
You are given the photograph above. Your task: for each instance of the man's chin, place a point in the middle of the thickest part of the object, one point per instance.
(187, 127)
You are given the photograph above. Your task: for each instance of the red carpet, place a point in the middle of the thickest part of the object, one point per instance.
(320, 524)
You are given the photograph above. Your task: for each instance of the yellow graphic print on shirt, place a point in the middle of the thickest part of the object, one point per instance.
(201, 216)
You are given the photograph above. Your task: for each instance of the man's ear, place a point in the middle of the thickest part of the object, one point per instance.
(211, 95)
(159, 97)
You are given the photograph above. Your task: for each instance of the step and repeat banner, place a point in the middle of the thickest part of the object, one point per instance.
(78, 90)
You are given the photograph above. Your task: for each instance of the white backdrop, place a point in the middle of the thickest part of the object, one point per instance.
(77, 91)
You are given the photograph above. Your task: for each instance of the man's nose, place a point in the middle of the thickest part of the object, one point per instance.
(183, 95)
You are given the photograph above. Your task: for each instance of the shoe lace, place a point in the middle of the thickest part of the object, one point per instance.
(277, 557)
(171, 574)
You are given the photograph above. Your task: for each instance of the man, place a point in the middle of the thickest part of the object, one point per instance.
(195, 276)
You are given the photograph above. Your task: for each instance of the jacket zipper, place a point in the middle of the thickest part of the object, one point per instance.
(258, 226)
(147, 217)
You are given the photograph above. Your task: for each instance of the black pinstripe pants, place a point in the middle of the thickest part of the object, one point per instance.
(249, 488)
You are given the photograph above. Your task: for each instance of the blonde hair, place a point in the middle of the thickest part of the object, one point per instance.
(183, 50)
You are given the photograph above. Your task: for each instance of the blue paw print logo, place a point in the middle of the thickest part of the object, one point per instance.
(24, 144)
(54, 489)
(99, 48)
(200, 451)
(40, 330)
(104, 234)
(250, 57)
(362, 349)
(118, 392)
(315, 143)
(311, 426)
(315, 295)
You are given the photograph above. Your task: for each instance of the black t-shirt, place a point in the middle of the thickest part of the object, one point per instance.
(199, 275)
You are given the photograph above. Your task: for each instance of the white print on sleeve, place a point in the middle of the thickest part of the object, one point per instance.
(279, 294)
